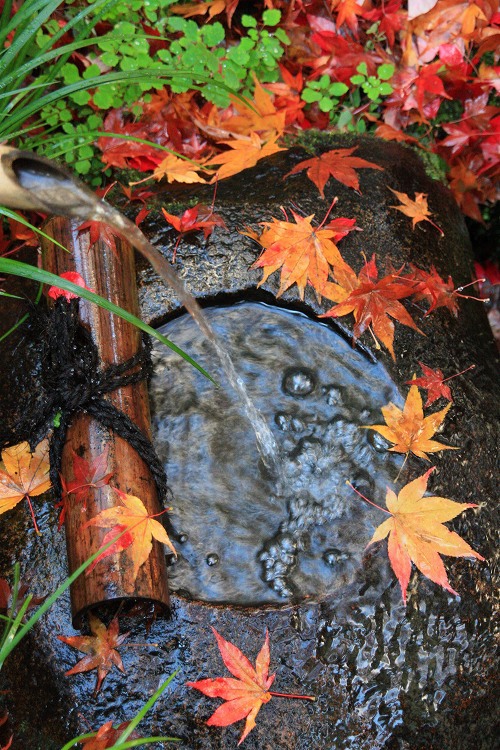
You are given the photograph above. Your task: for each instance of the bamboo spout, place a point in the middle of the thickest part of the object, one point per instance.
(112, 276)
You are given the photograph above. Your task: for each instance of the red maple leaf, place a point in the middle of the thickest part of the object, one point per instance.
(390, 18)
(100, 231)
(371, 300)
(338, 164)
(86, 475)
(99, 647)
(433, 381)
(107, 735)
(429, 286)
(244, 695)
(55, 292)
(192, 220)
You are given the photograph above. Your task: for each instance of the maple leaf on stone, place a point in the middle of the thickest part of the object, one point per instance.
(305, 254)
(244, 695)
(245, 153)
(409, 430)
(417, 209)
(433, 381)
(371, 300)
(177, 170)
(417, 533)
(140, 528)
(24, 475)
(99, 647)
(107, 735)
(338, 164)
(432, 288)
(199, 217)
(12, 605)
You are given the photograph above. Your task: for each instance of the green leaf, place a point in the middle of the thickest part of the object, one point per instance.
(248, 21)
(338, 89)
(357, 80)
(362, 68)
(385, 71)
(385, 89)
(213, 34)
(326, 105)
(310, 96)
(271, 17)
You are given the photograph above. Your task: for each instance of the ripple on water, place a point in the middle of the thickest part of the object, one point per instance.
(304, 538)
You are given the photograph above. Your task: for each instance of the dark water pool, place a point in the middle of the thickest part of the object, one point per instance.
(243, 536)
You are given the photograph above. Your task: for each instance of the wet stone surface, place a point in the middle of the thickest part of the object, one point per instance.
(386, 677)
(315, 391)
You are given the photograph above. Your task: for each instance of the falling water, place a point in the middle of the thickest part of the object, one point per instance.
(60, 193)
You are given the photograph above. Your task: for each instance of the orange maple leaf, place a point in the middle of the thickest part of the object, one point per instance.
(25, 474)
(417, 534)
(409, 430)
(99, 647)
(107, 735)
(132, 518)
(177, 170)
(244, 695)
(418, 210)
(258, 116)
(338, 164)
(212, 7)
(305, 254)
(371, 300)
(245, 153)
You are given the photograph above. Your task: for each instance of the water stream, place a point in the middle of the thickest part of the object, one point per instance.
(62, 194)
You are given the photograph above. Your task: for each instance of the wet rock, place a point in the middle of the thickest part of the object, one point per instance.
(387, 677)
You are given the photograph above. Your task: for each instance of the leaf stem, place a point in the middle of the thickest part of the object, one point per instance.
(365, 498)
(39, 533)
(458, 373)
(293, 695)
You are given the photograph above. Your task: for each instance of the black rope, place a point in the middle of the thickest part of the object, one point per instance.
(69, 379)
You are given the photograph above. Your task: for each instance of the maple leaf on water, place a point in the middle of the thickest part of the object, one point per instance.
(99, 647)
(417, 533)
(24, 475)
(140, 528)
(417, 210)
(305, 254)
(245, 153)
(244, 695)
(193, 219)
(338, 164)
(409, 430)
(433, 381)
(371, 300)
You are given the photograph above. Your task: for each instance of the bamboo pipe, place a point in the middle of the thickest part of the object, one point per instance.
(114, 278)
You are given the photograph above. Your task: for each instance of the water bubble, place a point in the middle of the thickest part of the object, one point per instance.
(378, 443)
(282, 421)
(182, 537)
(333, 556)
(299, 382)
(333, 395)
(212, 559)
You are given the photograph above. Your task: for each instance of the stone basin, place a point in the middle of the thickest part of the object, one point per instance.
(385, 675)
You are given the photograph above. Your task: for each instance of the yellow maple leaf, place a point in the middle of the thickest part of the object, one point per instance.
(177, 170)
(409, 430)
(140, 528)
(244, 154)
(418, 210)
(25, 474)
(258, 116)
(417, 534)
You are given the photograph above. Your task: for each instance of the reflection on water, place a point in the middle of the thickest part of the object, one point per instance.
(242, 537)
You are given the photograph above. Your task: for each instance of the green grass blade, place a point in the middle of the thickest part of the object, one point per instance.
(17, 268)
(18, 217)
(44, 10)
(24, 317)
(139, 716)
(53, 597)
